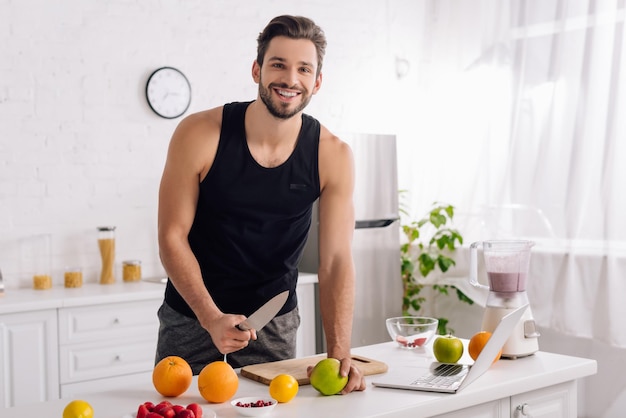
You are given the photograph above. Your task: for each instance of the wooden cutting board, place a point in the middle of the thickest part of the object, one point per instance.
(265, 372)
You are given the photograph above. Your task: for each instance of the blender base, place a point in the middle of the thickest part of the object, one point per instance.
(521, 343)
(515, 357)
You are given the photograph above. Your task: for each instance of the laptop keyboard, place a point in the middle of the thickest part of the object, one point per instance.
(444, 376)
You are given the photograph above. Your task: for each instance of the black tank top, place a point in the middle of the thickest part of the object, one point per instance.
(252, 222)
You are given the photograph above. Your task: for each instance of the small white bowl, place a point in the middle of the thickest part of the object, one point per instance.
(253, 411)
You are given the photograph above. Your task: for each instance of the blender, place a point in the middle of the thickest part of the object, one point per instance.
(506, 264)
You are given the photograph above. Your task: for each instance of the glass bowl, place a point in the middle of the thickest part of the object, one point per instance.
(411, 331)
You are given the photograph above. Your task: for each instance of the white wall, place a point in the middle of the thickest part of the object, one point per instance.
(79, 146)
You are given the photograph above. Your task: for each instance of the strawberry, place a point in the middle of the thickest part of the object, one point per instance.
(185, 413)
(142, 411)
(419, 341)
(197, 409)
(162, 403)
(167, 412)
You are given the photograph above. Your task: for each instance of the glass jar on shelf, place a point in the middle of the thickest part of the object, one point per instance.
(106, 243)
(73, 277)
(131, 270)
(37, 252)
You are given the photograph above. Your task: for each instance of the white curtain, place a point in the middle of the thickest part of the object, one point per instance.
(519, 120)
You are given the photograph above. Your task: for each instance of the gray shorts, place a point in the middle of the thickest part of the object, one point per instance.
(182, 336)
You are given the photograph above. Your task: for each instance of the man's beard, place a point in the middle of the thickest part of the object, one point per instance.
(281, 110)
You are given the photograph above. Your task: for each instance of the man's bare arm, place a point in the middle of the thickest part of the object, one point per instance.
(189, 158)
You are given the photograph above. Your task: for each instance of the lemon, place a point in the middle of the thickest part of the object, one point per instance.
(78, 409)
(283, 388)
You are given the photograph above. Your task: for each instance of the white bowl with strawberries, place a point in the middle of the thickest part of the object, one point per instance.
(253, 406)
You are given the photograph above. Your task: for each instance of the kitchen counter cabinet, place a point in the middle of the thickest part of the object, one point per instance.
(557, 401)
(553, 402)
(102, 342)
(77, 340)
(546, 382)
(28, 357)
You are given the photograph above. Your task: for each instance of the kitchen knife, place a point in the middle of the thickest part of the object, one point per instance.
(265, 313)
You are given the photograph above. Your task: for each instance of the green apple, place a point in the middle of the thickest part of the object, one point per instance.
(325, 377)
(447, 349)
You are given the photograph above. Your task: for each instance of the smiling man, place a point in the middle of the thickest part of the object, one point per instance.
(235, 207)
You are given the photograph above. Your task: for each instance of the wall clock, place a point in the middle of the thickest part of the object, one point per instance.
(168, 92)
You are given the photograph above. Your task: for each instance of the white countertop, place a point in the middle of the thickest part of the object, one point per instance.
(307, 278)
(505, 378)
(23, 300)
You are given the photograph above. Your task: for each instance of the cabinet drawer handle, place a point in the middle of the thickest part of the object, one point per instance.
(118, 357)
(523, 409)
(116, 321)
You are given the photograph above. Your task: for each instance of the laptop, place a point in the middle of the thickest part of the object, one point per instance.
(451, 378)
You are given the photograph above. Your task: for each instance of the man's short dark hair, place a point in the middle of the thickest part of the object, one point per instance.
(294, 27)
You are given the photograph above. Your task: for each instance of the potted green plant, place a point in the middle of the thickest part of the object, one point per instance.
(428, 247)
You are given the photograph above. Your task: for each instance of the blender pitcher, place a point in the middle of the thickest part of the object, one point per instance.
(506, 263)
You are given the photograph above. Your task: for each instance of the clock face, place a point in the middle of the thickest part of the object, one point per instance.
(168, 92)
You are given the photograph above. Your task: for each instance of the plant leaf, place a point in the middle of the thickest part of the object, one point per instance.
(445, 263)
(429, 244)
(426, 264)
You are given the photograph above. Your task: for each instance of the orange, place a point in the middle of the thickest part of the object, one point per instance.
(172, 376)
(217, 382)
(477, 343)
(283, 388)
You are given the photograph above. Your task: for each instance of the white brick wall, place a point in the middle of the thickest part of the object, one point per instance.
(79, 146)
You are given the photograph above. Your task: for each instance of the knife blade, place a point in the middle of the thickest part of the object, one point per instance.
(265, 313)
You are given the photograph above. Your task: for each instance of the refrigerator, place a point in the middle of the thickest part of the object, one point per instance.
(376, 243)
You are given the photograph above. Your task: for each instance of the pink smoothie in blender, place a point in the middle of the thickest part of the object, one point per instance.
(506, 263)
(506, 282)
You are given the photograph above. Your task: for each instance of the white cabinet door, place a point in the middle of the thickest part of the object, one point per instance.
(557, 401)
(29, 369)
(495, 409)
